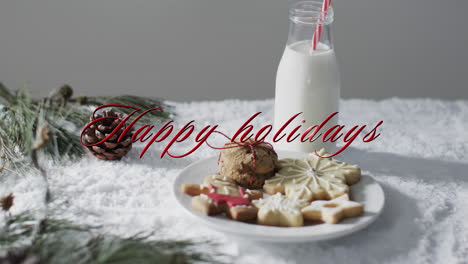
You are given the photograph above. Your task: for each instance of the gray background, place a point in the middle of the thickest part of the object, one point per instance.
(215, 49)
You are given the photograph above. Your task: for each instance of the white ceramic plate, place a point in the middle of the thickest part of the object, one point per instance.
(367, 191)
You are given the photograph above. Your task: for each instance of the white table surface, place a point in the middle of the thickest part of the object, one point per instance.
(420, 159)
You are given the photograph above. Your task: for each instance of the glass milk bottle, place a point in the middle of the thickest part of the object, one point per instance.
(307, 80)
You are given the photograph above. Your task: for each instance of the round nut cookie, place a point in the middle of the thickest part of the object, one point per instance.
(236, 162)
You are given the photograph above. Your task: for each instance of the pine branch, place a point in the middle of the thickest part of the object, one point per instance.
(5, 93)
(60, 241)
(23, 118)
(135, 101)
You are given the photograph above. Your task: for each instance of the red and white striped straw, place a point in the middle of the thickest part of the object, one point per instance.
(318, 27)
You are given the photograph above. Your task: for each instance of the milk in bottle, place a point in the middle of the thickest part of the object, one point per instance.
(307, 80)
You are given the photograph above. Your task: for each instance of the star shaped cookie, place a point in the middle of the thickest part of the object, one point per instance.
(332, 211)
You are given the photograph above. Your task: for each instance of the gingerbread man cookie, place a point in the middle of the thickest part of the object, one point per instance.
(219, 195)
(278, 210)
(313, 178)
(332, 211)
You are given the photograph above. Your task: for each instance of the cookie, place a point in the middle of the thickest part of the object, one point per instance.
(249, 170)
(193, 189)
(223, 184)
(218, 195)
(278, 210)
(313, 178)
(332, 211)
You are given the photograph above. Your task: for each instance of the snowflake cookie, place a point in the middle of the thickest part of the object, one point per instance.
(220, 195)
(332, 211)
(313, 178)
(278, 210)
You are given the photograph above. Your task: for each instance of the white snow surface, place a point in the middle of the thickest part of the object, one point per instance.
(420, 159)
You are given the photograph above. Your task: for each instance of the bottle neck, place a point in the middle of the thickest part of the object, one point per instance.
(307, 18)
(300, 33)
